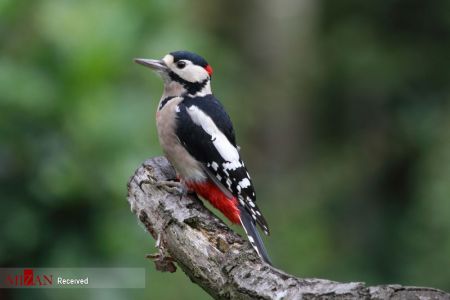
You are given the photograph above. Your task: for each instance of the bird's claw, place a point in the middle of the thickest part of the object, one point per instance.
(173, 187)
(170, 186)
(147, 181)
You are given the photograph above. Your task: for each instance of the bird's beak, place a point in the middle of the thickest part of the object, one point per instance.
(157, 65)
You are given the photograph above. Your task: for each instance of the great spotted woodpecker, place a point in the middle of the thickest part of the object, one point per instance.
(197, 137)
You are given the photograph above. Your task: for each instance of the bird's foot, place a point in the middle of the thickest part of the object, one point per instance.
(173, 187)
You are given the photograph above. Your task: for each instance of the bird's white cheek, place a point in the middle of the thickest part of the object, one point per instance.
(193, 73)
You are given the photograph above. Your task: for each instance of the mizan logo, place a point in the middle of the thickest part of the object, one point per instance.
(28, 278)
(12, 278)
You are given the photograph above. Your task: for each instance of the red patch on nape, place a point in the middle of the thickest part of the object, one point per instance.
(209, 191)
(209, 69)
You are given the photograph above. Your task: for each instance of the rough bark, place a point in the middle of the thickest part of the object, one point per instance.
(219, 260)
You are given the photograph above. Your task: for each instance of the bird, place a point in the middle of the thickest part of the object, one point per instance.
(197, 137)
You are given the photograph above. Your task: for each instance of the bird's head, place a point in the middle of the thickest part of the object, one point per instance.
(182, 71)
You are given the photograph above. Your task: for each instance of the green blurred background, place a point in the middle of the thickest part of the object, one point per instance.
(341, 109)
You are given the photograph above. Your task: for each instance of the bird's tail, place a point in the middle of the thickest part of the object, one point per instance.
(253, 235)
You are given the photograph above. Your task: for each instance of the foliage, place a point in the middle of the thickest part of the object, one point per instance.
(341, 110)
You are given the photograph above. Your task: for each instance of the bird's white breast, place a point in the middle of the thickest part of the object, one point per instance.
(186, 166)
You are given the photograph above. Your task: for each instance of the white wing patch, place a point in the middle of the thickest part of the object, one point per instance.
(244, 183)
(232, 165)
(228, 152)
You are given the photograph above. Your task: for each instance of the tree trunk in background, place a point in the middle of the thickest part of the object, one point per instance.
(277, 41)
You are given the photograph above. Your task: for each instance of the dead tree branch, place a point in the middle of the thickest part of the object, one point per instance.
(219, 260)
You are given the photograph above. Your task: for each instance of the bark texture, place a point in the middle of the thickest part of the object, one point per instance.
(219, 260)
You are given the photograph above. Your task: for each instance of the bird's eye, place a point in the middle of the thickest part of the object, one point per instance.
(181, 64)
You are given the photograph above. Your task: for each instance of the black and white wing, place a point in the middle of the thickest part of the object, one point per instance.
(205, 130)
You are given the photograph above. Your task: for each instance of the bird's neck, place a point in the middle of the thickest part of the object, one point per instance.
(205, 90)
(185, 88)
(173, 89)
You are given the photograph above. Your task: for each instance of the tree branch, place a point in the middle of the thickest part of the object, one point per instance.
(219, 260)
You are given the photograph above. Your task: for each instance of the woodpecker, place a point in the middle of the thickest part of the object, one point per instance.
(197, 137)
